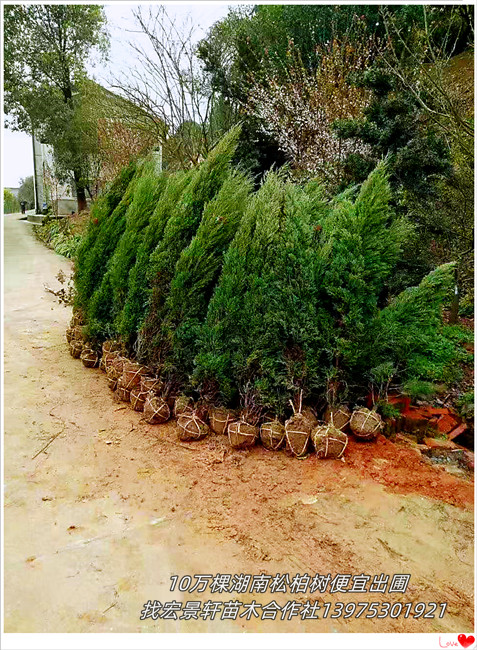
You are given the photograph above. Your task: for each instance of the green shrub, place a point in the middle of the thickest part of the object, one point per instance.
(101, 240)
(418, 389)
(108, 300)
(60, 235)
(196, 273)
(264, 331)
(206, 181)
(138, 287)
(100, 209)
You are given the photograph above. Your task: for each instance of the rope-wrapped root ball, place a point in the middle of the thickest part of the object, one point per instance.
(132, 373)
(191, 427)
(77, 319)
(138, 398)
(220, 418)
(156, 409)
(77, 333)
(272, 435)
(122, 390)
(183, 406)
(297, 432)
(150, 384)
(338, 416)
(69, 334)
(241, 434)
(114, 369)
(107, 359)
(76, 348)
(89, 357)
(111, 346)
(328, 441)
(365, 424)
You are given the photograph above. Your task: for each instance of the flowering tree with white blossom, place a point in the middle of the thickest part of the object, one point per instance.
(300, 108)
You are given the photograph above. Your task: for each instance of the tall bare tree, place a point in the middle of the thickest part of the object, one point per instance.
(169, 84)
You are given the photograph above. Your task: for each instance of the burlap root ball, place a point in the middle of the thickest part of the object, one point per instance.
(122, 391)
(132, 373)
(365, 424)
(191, 427)
(183, 406)
(107, 359)
(151, 384)
(138, 398)
(220, 418)
(338, 416)
(241, 434)
(156, 409)
(310, 416)
(328, 441)
(297, 432)
(69, 334)
(76, 319)
(77, 333)
(272, 435)
(89, 357)
(111, 346)
(76, 348)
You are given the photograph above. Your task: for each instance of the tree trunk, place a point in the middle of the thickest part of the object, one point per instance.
(80, 193)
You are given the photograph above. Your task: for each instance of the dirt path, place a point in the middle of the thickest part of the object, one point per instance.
(96, 525)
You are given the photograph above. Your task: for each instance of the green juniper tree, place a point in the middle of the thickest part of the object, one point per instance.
(101, 209)
(107, 302)
(196, 273)
(181, 227)
(138, 289)
(92, 262)
(265, 331)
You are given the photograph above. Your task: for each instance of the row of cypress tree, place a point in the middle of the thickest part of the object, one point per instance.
(235, 294)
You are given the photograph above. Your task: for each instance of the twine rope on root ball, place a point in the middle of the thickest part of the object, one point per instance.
(236, 429)
(360, 430)
(305, 442)
(378, 423)
(184, 422)
(267, 428)
(156, 410)
(215, 419)
(322, 436)
(132, 381)
(138, 399)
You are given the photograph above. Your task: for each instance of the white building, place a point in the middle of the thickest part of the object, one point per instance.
(48, 190)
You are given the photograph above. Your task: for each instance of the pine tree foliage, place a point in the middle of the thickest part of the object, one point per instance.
(251, 298)
(197, 270)
(101, 209)
(411, 325)
(138, 288)
(265, 331)
(107, 302)
(181, 227)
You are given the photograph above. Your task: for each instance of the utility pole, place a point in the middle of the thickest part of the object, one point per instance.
(35, 188)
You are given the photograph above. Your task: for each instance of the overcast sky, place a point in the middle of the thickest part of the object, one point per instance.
(17, 147)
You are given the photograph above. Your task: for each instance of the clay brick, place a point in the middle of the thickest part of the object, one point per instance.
(414, 420)
(431, 411)
(446, 423)
(402, 402)
(457, 431)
